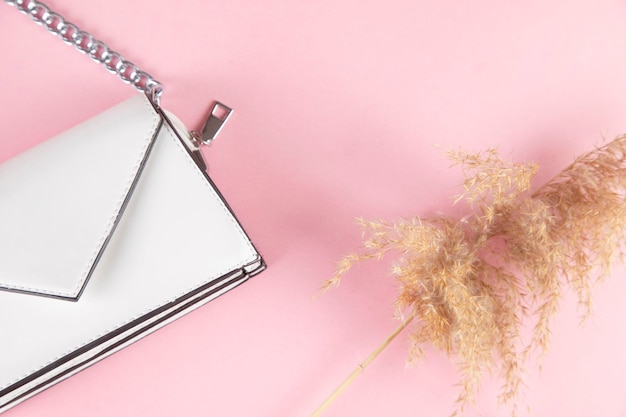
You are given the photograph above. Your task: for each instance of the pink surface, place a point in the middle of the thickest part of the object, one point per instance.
(338, 106)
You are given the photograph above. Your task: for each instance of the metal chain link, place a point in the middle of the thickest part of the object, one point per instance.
(86, 43)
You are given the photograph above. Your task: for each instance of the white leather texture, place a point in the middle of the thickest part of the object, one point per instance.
(59, 200)
(114, 344)
(176, 235)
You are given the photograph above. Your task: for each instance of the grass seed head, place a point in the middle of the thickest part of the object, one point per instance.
(474, 282)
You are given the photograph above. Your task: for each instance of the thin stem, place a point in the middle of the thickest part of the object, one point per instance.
(361, 367)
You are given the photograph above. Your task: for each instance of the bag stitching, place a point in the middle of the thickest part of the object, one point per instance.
(109, 225)
(135, 172)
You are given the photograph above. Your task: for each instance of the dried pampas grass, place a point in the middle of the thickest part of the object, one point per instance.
(472, 283)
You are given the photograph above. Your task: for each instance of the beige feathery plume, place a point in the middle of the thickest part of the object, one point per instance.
(472, 283)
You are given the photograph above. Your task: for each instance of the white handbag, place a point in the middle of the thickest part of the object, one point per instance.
(108, 232)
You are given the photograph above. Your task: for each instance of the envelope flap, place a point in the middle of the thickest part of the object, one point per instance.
(61, 201)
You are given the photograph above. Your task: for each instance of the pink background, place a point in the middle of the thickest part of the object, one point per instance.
(339, 108)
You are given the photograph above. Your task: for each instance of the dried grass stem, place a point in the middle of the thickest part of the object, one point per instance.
(361, 367)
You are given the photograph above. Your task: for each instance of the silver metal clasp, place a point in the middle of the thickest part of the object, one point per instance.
(214, 123)
(212, 126)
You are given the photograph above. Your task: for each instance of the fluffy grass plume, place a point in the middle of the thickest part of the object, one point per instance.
(474, 282)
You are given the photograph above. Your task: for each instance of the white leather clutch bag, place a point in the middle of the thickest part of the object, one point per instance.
(107, 232)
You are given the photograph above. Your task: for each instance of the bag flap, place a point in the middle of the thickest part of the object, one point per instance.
(61, 201)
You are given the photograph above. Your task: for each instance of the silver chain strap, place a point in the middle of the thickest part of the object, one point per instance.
(86, 43)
